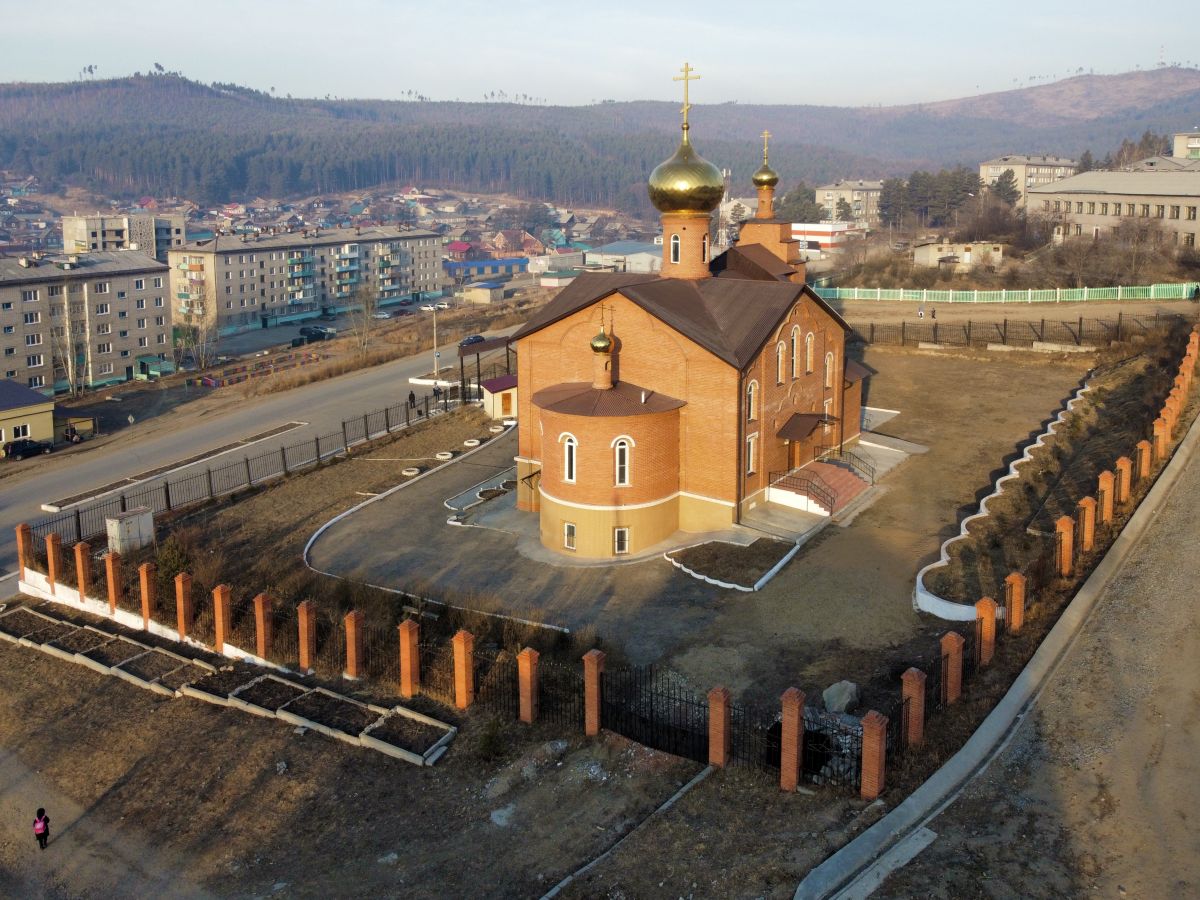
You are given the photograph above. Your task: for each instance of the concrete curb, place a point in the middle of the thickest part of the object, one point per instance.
(926, 801)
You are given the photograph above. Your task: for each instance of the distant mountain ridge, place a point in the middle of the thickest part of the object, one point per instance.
(164, 134)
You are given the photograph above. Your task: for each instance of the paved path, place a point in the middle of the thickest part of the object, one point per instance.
(179, 435)
(646, 606)
(1099, 791)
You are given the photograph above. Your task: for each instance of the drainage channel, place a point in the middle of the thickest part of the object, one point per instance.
(112, 487)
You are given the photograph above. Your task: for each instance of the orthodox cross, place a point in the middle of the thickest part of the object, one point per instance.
(766, 136)
(685, 78)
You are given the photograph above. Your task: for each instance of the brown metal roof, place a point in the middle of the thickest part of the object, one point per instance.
(856, 371)
(500, 383)
(496, 343)
(800, 426)
(730, 317)
(753, 261)
(579, 398)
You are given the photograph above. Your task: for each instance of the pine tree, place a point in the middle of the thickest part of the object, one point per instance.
(1005, 187)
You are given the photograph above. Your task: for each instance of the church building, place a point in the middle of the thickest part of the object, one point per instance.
(653, 403)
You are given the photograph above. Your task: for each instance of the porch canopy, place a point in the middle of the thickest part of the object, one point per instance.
(801, 425)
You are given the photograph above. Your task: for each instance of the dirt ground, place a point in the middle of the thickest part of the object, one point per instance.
(888, 311)
(1097, 792)
(154, 797)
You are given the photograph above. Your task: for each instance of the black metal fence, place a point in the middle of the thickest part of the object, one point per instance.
(650, 706)
(560, 694)
(87, 520)
(1012, 333)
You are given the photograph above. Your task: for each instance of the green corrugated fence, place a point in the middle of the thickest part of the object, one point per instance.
(1183, 291)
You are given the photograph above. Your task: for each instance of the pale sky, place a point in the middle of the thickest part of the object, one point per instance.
(756, 51)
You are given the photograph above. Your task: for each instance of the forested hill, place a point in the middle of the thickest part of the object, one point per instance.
(164, 134)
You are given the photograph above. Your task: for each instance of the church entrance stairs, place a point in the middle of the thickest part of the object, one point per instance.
(820, 487)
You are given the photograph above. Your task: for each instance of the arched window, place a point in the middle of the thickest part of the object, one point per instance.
(808, 352)
(796, 351)
(621, 462)
(570, 449)
(752, 401)
(779, 357)
(829, 367)
(674, 248)
(704, 249)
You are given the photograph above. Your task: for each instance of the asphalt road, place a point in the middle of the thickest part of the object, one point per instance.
(147, 445)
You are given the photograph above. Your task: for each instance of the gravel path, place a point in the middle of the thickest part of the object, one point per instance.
(1095, 794)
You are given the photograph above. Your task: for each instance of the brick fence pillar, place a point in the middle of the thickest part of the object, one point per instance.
(874, 754)
(791, 739)
(593, 671)
(464, 668)
(352, 625)
(24, 546)
(306, 624)
(1014, 602)
(985, 615)
(1161, 434)
(410, 659)
(147, 582)
(1124, 485)
(264, 626)
(183, 604)
(83, 568)
(720, 727)
(1064, 545)
(221, 616)
(527, 684)
(1104, 494)
(952, 661)
(912, 693)
(1085, 518)
(112, 575)
(54, 562)
(1143, 454)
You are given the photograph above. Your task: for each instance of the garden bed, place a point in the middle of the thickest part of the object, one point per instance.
(187, 675)
(333, 712)
(21, 622)
(51, 632)
(733, 563)
(115, 652)
(407, 733)
(222, 683)
(270, 693)
(151, 666)
(82, 641)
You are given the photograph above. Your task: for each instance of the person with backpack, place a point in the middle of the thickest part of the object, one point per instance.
(41, 827)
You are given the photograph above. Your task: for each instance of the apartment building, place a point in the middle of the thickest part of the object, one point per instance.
(253, 281)
(862, 197)
(1029, 171)
(1186, 145)
(1097, 203)
(152, 235)
(91, 319)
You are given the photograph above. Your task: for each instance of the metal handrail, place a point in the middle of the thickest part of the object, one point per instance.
(849, 457)
(807, 483)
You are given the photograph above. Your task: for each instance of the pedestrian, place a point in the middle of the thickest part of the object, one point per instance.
(41, 827)
(933, 313)
(921, 311)
(437, 393)
(412, 400)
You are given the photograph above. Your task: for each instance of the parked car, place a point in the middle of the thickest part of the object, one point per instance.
(443, 305)
(313, 331)
(330, 333)
(406, 302)
(428, 307)
(381, 315)
(472, 339)
(23, 447)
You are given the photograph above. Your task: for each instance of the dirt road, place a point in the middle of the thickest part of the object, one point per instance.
(886, 311)
(1097, 793)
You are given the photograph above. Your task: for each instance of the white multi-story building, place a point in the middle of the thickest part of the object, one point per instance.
(252, 281)
(861, 196)
(1029, 171)
(85, 320)
(152, 235)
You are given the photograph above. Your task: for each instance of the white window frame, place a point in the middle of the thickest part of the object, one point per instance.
(622, 478)
(752, 401)
(751, 453)
(830, 369)
(780, 352)
(621, 536)
(795, 351)
(809, 341)
(570, 456)
(570, 533)
(675, 244)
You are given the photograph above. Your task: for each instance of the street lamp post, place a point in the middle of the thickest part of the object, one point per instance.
(436, 354)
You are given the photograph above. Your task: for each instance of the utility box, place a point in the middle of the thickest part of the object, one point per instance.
(130, 530)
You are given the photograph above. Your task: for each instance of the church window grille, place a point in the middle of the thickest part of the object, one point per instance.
(808, 353)
(752, 401)
(621, 463)
(621, 540)
(674, 248)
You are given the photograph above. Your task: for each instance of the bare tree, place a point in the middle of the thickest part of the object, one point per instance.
(364, 303)
(197, 335)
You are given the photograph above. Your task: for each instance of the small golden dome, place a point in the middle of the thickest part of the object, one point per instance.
(765, 177)
(601, 343)
(687, 182)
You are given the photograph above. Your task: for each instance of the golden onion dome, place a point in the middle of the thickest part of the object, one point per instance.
(601, 343)
(765, 177)
(687, 182)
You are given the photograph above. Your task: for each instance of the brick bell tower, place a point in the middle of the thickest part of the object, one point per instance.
(686, 189)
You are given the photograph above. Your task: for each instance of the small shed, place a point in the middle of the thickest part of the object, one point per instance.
(484, 292)
(25, 413)
(500, 396)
